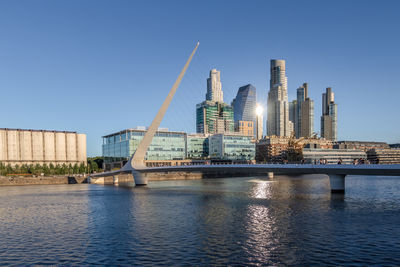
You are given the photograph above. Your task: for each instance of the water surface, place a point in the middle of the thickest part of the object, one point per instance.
(232, 221)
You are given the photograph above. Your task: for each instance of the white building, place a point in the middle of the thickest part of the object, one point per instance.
(18, 146)
(332, 156)
(278, 122)
(214, 87)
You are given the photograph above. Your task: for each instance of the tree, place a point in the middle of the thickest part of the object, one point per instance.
(294, 152)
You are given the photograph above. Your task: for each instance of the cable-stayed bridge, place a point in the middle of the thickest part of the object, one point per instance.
(337, 173)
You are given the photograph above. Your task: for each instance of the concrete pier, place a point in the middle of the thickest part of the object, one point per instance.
(139, 178)
(337, 183)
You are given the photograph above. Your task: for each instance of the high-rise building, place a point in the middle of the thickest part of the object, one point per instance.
(244, 105)
(214, 87)
(329, 116)
(278, 106)
(213, 115)
(302, 113)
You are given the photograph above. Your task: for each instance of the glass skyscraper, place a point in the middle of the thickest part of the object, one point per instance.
(244, 105)
(213, 115)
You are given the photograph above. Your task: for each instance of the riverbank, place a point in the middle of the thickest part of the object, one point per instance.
(41, 180)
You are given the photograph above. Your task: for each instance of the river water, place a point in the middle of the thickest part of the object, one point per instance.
(231, 221)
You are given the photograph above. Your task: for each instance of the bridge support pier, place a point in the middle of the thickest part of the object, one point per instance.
(139, 178)
(337, 183)
(115, 179)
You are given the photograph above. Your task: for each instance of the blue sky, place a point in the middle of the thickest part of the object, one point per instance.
(102, 66)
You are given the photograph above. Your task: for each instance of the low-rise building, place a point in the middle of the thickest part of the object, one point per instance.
(165, 146)
(332, 156)
(244, 127)
(361, 145)
(384, 156)
(20, 146)
(273, 148)
(232, 147)
(197, 146)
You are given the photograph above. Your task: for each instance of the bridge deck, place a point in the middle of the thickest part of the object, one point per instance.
(299, 169)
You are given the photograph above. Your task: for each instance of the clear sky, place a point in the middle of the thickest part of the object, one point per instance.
(97, 67)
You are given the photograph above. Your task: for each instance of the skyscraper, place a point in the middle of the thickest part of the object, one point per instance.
(214, 87)
(302, 113)
(213, 115)
(329, 116)
(278, 106)
(244, 105)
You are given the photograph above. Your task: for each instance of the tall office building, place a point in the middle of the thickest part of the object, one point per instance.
(278, 122)
(329, 116)
(214, 87)
(302, 113)
(244, 105)
(213, 115)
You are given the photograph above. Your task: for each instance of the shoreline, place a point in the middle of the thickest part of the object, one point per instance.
(42, 180)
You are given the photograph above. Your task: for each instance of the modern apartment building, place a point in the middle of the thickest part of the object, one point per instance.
(302, 113)
(278, 122)
(19, 146)
(329, 115)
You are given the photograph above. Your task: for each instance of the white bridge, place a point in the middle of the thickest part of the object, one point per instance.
(336, 173)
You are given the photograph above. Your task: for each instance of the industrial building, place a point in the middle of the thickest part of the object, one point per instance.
(19, 146)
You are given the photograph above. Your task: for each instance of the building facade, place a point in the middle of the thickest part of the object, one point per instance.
(214, 87)
(361, 145)
(197, 146)
(273, 149)
(119, 147)
(244, 127)
(332, 156)
(232, 147)
(384, 155)
(245, 103)
(329, 115)
(214, 117)
(278, 122)
(259, 123)
(302, 113)
(19, 146)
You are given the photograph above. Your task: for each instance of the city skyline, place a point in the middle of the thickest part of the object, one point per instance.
(77, 85)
